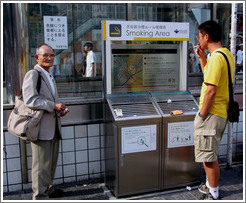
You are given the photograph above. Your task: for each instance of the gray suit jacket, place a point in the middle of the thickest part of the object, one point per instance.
(43, 101)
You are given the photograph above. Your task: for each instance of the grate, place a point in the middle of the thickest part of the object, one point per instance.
(129, 100)
(187, 106)
(130, 110)
(178, 97)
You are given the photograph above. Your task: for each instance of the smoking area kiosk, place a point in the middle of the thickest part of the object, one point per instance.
(149, 113)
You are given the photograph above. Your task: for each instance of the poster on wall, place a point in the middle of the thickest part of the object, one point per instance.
(180, 134)
(138, 139)
(55, 31)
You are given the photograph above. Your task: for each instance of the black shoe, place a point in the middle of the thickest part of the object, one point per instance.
(56, 193)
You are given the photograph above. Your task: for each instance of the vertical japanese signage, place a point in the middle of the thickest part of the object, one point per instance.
(55, 31)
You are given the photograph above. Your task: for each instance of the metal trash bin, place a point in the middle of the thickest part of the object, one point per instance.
(132, 145)
(178, 163)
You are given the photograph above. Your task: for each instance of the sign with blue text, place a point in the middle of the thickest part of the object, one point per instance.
(146, 31)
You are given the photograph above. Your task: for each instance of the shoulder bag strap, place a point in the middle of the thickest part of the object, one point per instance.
(39, 81)
(229, 77)
(38, 84)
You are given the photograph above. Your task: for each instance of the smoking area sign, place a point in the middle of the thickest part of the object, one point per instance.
(145, 31)
(55, 31)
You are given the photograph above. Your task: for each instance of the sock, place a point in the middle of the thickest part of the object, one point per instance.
(207, 183)
(214, 192)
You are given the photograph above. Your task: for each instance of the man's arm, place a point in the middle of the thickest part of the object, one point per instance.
(208, 99)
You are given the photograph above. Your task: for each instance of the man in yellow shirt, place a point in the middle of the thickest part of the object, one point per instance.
(211, 119)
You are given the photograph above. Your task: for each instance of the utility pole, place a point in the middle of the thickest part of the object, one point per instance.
(233, 50)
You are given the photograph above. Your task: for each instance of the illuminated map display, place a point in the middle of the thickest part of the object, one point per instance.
(136, 70)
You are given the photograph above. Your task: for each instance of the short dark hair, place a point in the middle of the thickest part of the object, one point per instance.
(44, 44)
(211, 28)
(89, 44)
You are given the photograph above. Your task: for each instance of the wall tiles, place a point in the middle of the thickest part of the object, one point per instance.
(94, 155)
(81, 144)
(69, 170)
(222, 150)
(28, 149)
(240, 127)
(11, 139)
(81, 178)
(69, 179)
(14, 177)
(68, 145)
(58, 181)
(81, 156)
(94, 142)
(29, 175)
(82, 169)
(59, 172)
(68, 158)
(59, 161)
(94, 167)
(80, 131)
(29, 162)
(240, 137)
(27, 186)
(67, 132)
(5, 179)
(12, 151)
(241, 116)
(5, 189)
(15, 187)
(224, 139)
(14, 164)
(93, 130)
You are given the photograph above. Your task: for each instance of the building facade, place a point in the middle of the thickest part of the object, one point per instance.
(81, 154)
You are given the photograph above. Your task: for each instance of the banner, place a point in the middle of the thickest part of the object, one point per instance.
(145, 31)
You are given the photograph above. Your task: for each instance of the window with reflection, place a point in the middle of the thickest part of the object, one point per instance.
(84, 26)
(77, 69)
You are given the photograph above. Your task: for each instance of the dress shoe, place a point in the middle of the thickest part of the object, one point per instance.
(56, 193)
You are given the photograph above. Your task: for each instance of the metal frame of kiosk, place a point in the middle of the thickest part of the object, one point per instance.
(135, 125)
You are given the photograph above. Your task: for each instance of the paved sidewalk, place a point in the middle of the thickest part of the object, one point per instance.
(231, 188)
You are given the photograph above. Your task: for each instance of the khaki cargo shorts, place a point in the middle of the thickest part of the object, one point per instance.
(207, 137)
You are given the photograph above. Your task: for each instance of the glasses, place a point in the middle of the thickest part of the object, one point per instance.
(48, 55)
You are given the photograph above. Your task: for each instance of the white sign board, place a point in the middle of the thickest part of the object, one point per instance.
(138, 139)
(180, 134)
(55, 31)
(146, 31)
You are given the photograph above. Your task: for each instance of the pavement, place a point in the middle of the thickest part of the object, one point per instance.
(231, 188)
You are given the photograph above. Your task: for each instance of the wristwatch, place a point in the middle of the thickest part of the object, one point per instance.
(202, 116)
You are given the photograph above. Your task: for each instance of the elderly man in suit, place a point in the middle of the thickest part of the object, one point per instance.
(45, 149)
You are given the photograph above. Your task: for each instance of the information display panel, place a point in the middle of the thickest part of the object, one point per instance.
(137, 68)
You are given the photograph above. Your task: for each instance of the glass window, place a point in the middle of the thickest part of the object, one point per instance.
(83, 26)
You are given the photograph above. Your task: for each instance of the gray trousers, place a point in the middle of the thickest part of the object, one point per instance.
(44, 161)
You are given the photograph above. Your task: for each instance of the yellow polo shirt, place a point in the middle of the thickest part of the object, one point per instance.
(216, 73)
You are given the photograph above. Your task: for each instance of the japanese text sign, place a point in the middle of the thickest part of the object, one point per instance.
(55, 31)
